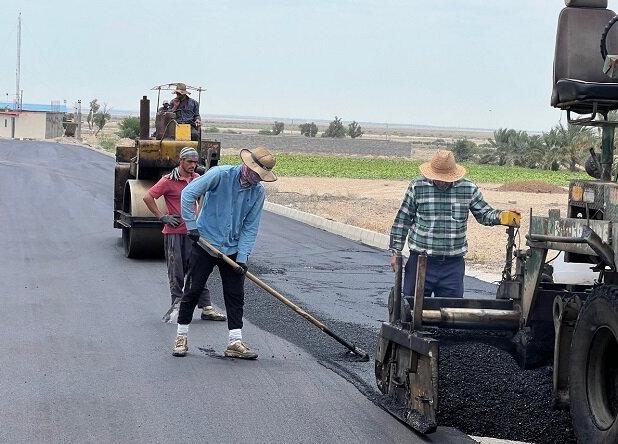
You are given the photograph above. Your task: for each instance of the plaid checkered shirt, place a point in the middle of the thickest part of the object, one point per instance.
(436, 219)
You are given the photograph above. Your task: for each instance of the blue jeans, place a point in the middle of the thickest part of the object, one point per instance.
(444, 277)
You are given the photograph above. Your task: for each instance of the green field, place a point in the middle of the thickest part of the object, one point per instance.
(369, 168)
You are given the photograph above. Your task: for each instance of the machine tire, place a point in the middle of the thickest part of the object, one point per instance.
(593, 368)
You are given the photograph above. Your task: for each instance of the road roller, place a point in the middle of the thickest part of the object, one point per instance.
(572, 327)
(141, 164)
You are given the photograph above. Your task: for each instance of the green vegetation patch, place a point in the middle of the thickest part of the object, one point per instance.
(400, 169)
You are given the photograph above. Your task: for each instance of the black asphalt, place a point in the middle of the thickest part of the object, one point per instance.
(87, 359)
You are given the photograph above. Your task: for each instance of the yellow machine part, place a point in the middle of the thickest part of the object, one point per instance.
(163, 149)
(183, 131)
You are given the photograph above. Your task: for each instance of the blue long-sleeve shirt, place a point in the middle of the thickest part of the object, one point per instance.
(230, 214)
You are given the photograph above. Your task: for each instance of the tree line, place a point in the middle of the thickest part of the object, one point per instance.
(336, 129)
(559, 148)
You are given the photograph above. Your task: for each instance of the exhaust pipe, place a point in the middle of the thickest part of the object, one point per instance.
(144, 118)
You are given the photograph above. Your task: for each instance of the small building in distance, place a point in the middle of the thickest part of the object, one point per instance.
(31, 120)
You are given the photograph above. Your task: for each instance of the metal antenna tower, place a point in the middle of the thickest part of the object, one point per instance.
(18, 69)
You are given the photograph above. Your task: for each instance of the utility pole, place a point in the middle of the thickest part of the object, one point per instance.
(18, 94)
(79, 120)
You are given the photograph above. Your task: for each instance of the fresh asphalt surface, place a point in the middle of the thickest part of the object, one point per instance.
(87, 359)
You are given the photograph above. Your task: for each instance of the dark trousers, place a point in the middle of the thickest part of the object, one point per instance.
(201, 265)
(177, 249)
(444, 276)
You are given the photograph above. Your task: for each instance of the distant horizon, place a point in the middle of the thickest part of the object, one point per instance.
(299, 120)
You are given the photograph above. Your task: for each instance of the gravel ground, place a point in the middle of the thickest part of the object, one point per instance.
(319, 145)
(483, 391)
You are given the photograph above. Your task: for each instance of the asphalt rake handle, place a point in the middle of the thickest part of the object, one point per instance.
(264, 286)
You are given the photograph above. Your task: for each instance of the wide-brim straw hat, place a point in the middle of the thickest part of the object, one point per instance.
(261, 161)
(443, 167)
(181, 88)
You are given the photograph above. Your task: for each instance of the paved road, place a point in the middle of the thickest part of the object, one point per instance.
(86, 358)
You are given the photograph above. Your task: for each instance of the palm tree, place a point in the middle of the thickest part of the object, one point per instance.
(576, 140)
(553, 154)
(502, 144)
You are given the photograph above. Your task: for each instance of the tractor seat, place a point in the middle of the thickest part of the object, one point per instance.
(579, 96)
(580, 85)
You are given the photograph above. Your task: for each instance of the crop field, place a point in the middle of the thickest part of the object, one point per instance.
(296, 165)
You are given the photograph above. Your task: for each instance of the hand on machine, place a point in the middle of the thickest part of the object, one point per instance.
(510, 218)
(170, 219)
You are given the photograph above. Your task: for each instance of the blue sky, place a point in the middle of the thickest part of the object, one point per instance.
(458, 63)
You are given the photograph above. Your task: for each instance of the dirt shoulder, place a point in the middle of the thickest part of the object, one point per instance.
(372, 204)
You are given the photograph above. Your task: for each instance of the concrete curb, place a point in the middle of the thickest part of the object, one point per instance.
(367, 237)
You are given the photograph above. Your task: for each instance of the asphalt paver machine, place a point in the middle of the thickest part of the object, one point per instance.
(141, 164)
(573, 326)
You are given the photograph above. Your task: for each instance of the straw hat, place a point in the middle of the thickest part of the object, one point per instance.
(181, 88)
(443, 167)
(261, 161)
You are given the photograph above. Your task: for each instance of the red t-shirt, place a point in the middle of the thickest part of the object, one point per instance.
(170, 190)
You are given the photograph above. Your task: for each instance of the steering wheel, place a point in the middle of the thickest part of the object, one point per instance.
(604, 36)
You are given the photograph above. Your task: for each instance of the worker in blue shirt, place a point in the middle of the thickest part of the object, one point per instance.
(229, 220)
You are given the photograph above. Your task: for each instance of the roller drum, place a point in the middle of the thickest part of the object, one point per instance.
(140, 241)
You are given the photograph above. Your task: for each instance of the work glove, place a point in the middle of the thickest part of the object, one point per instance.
(242, 268)
(510, 218)
(194, 235)
(169, 219)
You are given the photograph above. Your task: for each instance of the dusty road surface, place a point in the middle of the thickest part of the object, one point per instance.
(87, 359)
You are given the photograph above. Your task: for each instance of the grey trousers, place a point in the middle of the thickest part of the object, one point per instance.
(177, 253)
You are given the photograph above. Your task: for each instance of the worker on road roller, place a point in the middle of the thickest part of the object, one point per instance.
(187, 110)
(435, 214)
(229, 220)
(177, 245)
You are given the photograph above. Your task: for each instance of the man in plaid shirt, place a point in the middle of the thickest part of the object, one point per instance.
(434, 217)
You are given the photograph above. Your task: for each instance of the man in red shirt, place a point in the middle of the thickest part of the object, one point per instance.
(176, 243)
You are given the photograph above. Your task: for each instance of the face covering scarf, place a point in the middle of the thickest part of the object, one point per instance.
(248, 177)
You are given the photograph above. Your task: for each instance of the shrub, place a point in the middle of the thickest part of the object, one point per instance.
(335, 129)
(278, 128)
(211, 129)
(107, 141)
(265, 132)
(129, 128)
(355, 130)
(464, 149)
(308, 129)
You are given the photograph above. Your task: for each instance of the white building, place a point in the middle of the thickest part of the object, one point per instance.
(31, 121)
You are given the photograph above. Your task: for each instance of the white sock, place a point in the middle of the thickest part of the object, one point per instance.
(182, 330)
(235, 335)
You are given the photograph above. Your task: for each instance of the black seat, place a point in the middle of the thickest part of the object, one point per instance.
(579, 96)
(580, 85)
